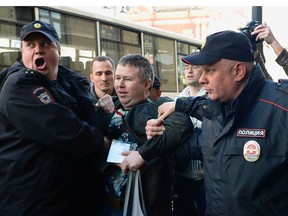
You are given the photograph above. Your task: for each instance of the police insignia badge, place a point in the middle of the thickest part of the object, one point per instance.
(203, 44)
(251, 151)
(43, 95)
(37, 25)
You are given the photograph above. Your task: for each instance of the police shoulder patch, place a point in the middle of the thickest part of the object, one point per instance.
(282, 85)
(42, 95)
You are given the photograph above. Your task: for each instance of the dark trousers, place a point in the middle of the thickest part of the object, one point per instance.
(190, 197)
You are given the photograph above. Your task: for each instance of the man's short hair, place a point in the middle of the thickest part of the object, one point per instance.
(146, 71)
(101, 59)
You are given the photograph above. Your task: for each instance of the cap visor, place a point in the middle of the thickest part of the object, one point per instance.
(51, 38)
(199, 59)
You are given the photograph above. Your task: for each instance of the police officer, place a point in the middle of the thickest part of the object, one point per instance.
(244, 140)
(48, 132)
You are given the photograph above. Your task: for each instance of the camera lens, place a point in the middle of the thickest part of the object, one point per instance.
(250, 27)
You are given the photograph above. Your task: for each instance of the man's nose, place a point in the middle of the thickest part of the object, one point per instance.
(38, 48)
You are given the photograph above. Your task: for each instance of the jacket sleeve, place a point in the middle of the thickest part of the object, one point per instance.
(191, 106)
(178, 125)
(282, 60)
(189, 149)
(78, 87)
(39, 117)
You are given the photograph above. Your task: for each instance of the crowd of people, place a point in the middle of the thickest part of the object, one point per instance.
(218, 148)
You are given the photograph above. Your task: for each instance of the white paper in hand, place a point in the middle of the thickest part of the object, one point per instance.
(116, 148)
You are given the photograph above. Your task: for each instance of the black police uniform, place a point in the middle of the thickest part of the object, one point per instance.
(46, 144)
(245, 149)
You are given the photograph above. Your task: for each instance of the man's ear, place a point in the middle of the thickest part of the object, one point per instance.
(148, 84)
(241, 71)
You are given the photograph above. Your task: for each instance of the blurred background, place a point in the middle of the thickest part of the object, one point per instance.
(199, 21)
(163, 34)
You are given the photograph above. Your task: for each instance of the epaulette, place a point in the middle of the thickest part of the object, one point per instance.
(29, 71)
(282, 85)
(33, 74)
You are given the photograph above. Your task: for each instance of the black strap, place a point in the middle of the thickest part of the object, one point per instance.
(138, 140)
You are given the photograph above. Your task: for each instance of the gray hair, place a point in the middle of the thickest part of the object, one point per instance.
(146, 71)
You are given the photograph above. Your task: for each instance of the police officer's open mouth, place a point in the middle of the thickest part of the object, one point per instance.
(39, 62)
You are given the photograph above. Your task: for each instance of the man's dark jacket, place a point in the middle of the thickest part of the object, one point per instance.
(158, 153)
(47, 146)
(233, 134)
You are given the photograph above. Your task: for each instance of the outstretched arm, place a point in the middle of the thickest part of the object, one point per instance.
(178, 126)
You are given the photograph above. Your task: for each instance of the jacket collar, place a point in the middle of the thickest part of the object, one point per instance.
(252, 89)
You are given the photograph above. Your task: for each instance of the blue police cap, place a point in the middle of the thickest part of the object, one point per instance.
(225, 44)
(41, 27)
